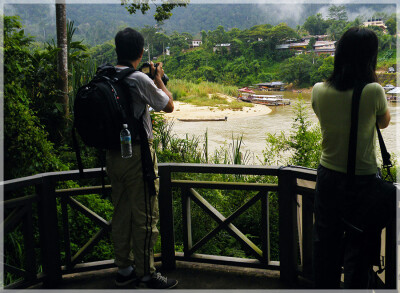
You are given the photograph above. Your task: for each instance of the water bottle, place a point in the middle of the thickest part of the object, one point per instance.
(126, 142)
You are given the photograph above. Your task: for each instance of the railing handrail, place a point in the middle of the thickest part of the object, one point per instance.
(306, 173)
(287, 188)
(13, 184)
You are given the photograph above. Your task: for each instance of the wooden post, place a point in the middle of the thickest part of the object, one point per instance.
(265, 227)
(67, 240)
(307, 227)
(166, 219)
(29, 244)
(49, 236)
(287, 227)
(186, 222)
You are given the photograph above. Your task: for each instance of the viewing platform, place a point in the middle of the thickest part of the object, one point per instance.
(41, 212)
(190, 276)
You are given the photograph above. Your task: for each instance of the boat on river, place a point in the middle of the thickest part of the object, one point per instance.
(395, 98)
(269, 100)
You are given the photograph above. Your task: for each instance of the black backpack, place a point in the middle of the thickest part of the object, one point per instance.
(102, 106)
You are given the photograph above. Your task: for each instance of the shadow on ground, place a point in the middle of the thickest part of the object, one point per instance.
(190, 276)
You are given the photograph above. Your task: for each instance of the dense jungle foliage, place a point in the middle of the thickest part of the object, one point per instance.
(97, 23)
(37, 138)
(252, 56)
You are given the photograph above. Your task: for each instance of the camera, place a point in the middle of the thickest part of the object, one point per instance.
(146, 69)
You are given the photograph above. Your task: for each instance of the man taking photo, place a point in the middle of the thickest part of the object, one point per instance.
(134, 232)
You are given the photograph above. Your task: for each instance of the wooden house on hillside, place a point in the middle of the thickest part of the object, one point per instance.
(376, 22)
(220, 47)
(324, 47)
(321, 46)
(195, 43)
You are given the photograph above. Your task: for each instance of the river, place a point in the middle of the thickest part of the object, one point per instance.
(255, 129)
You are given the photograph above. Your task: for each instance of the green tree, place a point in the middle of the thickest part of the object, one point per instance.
(149, 34)
(103, 53)
(311, 44)
(203, 36)
(41, 81)
(303, 143)
(161, 41)
(297, 70)
(62, 56)
(316, 25)
(281, 33)
(337, 19)
(301, 31)
(27, 150)
(257, 32)
(178, 42)
(76, 50)
(163, 11)
(218, 36)
(337, 13)
(391, 25)
(336, 29)
(323, 71)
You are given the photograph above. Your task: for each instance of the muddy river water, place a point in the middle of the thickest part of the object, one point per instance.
(254, 129)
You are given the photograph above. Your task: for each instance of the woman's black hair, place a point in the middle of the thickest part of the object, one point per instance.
(128, 45)
(355, 59)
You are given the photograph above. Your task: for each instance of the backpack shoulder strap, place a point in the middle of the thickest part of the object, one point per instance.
(123, 73)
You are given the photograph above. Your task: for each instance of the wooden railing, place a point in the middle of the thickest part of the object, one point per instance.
(295, 188)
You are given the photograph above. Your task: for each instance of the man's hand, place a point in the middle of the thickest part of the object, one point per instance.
(160, 84)
(158, 71)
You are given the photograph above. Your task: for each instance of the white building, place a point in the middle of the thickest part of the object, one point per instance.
(375, 22)
(218, 47)
(196, 43)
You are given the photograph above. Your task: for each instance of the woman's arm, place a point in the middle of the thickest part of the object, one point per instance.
(383, 120)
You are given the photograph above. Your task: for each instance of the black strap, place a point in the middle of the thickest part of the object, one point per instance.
(118, 77)
(385, 154)
(147, 161)
(351, 159)
(351, 156)
(123, 73)
(77, 151)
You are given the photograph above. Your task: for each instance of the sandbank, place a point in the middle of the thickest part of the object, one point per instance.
(188, 111)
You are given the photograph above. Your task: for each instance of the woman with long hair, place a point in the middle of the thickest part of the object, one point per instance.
(355, 64)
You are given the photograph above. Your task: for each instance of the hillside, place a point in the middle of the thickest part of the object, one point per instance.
(97, 23)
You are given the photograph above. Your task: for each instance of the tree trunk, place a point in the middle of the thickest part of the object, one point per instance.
(62, 58)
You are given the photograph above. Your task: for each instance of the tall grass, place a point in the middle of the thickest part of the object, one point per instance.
(194, 149)
(205, 94)
(202, 89)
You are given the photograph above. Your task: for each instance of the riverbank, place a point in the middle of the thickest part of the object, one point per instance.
(186, 111)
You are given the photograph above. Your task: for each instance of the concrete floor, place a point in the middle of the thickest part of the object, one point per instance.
(190, 276)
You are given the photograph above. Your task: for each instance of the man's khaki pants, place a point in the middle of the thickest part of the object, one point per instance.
(134, 230)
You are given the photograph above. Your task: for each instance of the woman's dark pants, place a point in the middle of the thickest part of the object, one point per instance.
(334, 245)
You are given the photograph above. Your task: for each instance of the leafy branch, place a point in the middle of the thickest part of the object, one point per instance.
(163, 10)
